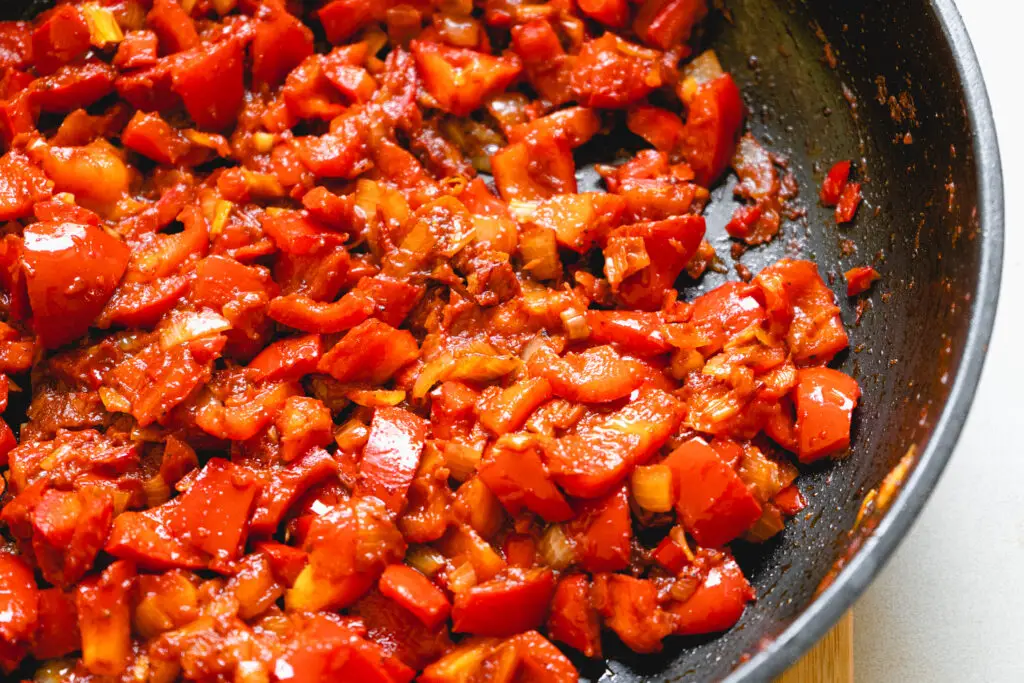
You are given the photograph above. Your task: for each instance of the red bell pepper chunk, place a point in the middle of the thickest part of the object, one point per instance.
(521, 480)
(630, 607)
(612, 13)
(213, 515)
(71, 271)
(713, 502)
(145, 538)
(824, 400)
(670, 555)
(603, 533)
(281, 43)
(372, 352)
(461, 79)
(104, 619)
(138, 50)
(660, 127)
(802, 308)
(717, 604)
(15, 44)
(610, 73)
(790, 500)
(287, 359)
(285, 561)
(22, 185)
(341, 153)
(57, 632)
(286, 487)
(303, 313)
(573, 619)
(860, 279)
(635, 332)
(73, 87)
(220, 280)
(670, 244)
(537, 43)
(725, 311)
(589, 463)
(60, 39)
(154, 138)
(509, 409)
(505, 606)
(19, 601)
(297, 233)
(416, 593)
(173, 26)
(342, 18)
(391, 456)
(407, 642)
(211, 83)
(835, 181)
(665, 24)
(142, 304)
(712, 125)
(849, 200)
(303, 423)
(744, 221)
(597, 375)
(540, 660)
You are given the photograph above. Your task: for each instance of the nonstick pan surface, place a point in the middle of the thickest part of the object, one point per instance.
(896, 87)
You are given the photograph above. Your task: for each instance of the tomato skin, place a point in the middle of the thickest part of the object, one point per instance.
(712, 126)
(712, 501)
(573, 619)
(71, 271)
(503, 607)
(835, 181)
(391, 456)
(860, 279)
(824, 399)
(849, 200)
(416, 593)
(718, 602)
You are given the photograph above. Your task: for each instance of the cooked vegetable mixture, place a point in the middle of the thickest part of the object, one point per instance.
(318, 367)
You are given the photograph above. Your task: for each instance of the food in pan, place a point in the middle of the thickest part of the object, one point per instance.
(323, 368)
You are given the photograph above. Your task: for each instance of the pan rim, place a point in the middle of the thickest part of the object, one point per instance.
(826, 609)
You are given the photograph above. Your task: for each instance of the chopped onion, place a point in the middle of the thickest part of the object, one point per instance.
(425, 559)
(103, 27)
(221, 213)
(461, 460)
(156, 490)
(352, 435)
(685, 361)
(191, 326)
(461, 578)
(540, 252)
(557, 550)
(263, 142)
(478, 367)
(575, 324)
(375, 398)
(224, 6)
(114, 401)
(522, 211)
(652, 488)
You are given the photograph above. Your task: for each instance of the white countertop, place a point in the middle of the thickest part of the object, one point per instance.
(950, 604)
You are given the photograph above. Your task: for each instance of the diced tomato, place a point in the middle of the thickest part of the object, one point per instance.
(281, 43)
(611, 74)
(62, 38)
(603, 533)
(71, 271)
(372, 352)
(461, 79)
(573, 619)
(835, 181)
(416, 593)
(849, 200)
(824, 400)
(670, 244)
(712, 126)
(391, 456)
(630, 607)
(596, 375)
(211, 82)
(505, 606)
(717, 604)
(152, 137)
(713, 502)
(521, 480)
(590, 462)
(104, 619)
(665, 24)
(860, 279)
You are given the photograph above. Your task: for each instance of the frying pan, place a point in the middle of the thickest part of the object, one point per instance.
(902, 94)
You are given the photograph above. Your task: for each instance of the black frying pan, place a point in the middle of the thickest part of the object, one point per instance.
(932, 223)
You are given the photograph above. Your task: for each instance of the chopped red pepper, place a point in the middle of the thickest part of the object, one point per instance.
(836, 180)
(824, 400)
(416, 593)
(860, 279)
(849, 200)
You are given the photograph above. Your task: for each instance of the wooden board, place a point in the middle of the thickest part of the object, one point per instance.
(831, 660)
